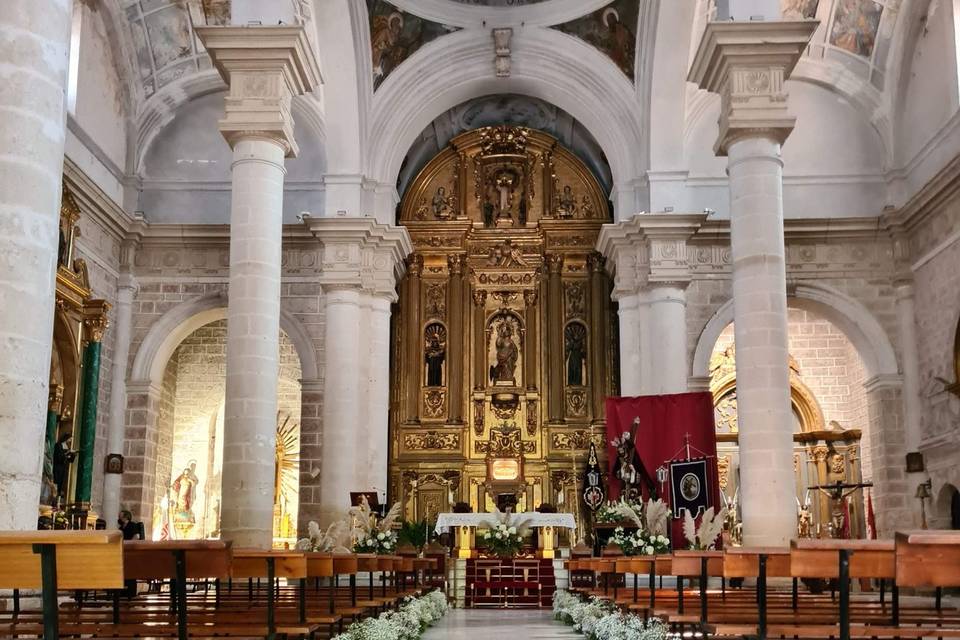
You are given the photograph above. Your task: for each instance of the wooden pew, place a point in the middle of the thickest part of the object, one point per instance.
(271, 565)
(695, 564)
(54, 560)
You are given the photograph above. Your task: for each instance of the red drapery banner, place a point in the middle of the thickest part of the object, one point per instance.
(665, 424)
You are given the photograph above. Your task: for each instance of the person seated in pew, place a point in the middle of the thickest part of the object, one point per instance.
(131, 531)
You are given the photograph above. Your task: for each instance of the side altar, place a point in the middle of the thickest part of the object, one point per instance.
(466, 525)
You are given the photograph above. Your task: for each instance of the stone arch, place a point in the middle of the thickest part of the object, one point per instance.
(946, 508)
(170, 330)
(417, 93)
(849, 315)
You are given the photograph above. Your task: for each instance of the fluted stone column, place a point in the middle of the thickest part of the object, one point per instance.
(34, 46)
(126, 290)
(629, 313)
(747, 64)
(264, 68)
(361, 261)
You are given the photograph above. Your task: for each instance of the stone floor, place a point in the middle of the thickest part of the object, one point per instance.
(499, 624)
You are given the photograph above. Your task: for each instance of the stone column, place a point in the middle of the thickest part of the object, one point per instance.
(555, 378)
(34, 47)
(747, 64)
(629, 313)
(667, 325)
(379, 392)
(893, 501)
(126, 290)
(264, 68)
(362, 261)
(907, 329)
(455, 342)
(414, 366)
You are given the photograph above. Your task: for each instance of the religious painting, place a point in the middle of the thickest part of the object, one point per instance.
(799, 9)
(217, 12)
(688, 487)
(396, 35)
(170, 37)
(184, 492)
(504, 348)
(612, 30)
(855, 26)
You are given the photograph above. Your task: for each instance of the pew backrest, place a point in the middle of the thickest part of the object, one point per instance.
(145, 560)
(252, 563)
(744, 562)
(928, 559)
(85, 559)
(820, 558)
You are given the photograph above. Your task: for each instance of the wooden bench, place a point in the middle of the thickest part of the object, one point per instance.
(55, 560)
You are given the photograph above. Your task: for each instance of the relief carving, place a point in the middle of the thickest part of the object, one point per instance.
(432, 441)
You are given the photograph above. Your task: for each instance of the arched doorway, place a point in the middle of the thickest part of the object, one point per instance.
(503, 341)
(831, 436)
(190, 440)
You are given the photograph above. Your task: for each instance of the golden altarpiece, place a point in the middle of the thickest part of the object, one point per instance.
(79, 323)
(503, 340)
(822, 454)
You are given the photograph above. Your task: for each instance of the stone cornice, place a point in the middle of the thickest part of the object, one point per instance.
(747, 63)
(96, 204)
(943, 188)
(360, 252)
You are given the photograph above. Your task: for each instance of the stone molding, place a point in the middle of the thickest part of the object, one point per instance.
(883, 381)
(361, 253)
(747, 64)
(648, 250)
(264, 68)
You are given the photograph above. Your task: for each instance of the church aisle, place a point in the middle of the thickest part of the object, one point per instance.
(497, 624)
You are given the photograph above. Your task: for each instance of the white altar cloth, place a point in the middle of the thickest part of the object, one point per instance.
(536, 520)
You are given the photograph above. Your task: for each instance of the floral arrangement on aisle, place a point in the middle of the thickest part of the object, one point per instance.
(370, 535)
(600, 620)
(408, 622)
(703, 537)
(504, 538)
(336, 539)
(640, 543)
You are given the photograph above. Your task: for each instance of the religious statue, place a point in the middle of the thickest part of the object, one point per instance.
(626, 467)
(804, 517)
(507, 353)
(838, 493)
(63, 456)
(435, 352)
(566, 203)
(575, 338)
(731, 521)
(184, 491)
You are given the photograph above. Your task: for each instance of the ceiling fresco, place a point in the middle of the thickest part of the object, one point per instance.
(395, 35)
(499, 3)
(611, 29)
(164, 39)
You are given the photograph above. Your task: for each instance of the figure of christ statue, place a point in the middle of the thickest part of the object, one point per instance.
(507, 355)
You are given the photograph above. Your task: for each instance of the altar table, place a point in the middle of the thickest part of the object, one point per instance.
(466, 525)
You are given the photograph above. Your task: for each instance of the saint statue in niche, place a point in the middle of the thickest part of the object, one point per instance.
(435, 353)
(575, 347)
(184, 492)
(506, 351)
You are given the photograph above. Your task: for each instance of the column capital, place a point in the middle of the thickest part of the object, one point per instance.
(747, 63)
(361, 253)
(648, 249)
(264, 67)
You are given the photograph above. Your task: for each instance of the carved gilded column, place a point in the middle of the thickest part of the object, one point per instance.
(596, 376)
(455, 342)
(479, 341)
(555, 338)
(532, 339)
(414, 366)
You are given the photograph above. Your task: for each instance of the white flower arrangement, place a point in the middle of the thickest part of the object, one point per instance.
(406, 623)
(599, 619)
(640, 543)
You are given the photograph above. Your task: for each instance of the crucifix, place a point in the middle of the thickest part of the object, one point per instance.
(838, 493)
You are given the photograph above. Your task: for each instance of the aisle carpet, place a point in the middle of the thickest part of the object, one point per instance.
(490, 624)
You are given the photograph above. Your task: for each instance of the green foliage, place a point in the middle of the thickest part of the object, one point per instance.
(414, 533)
